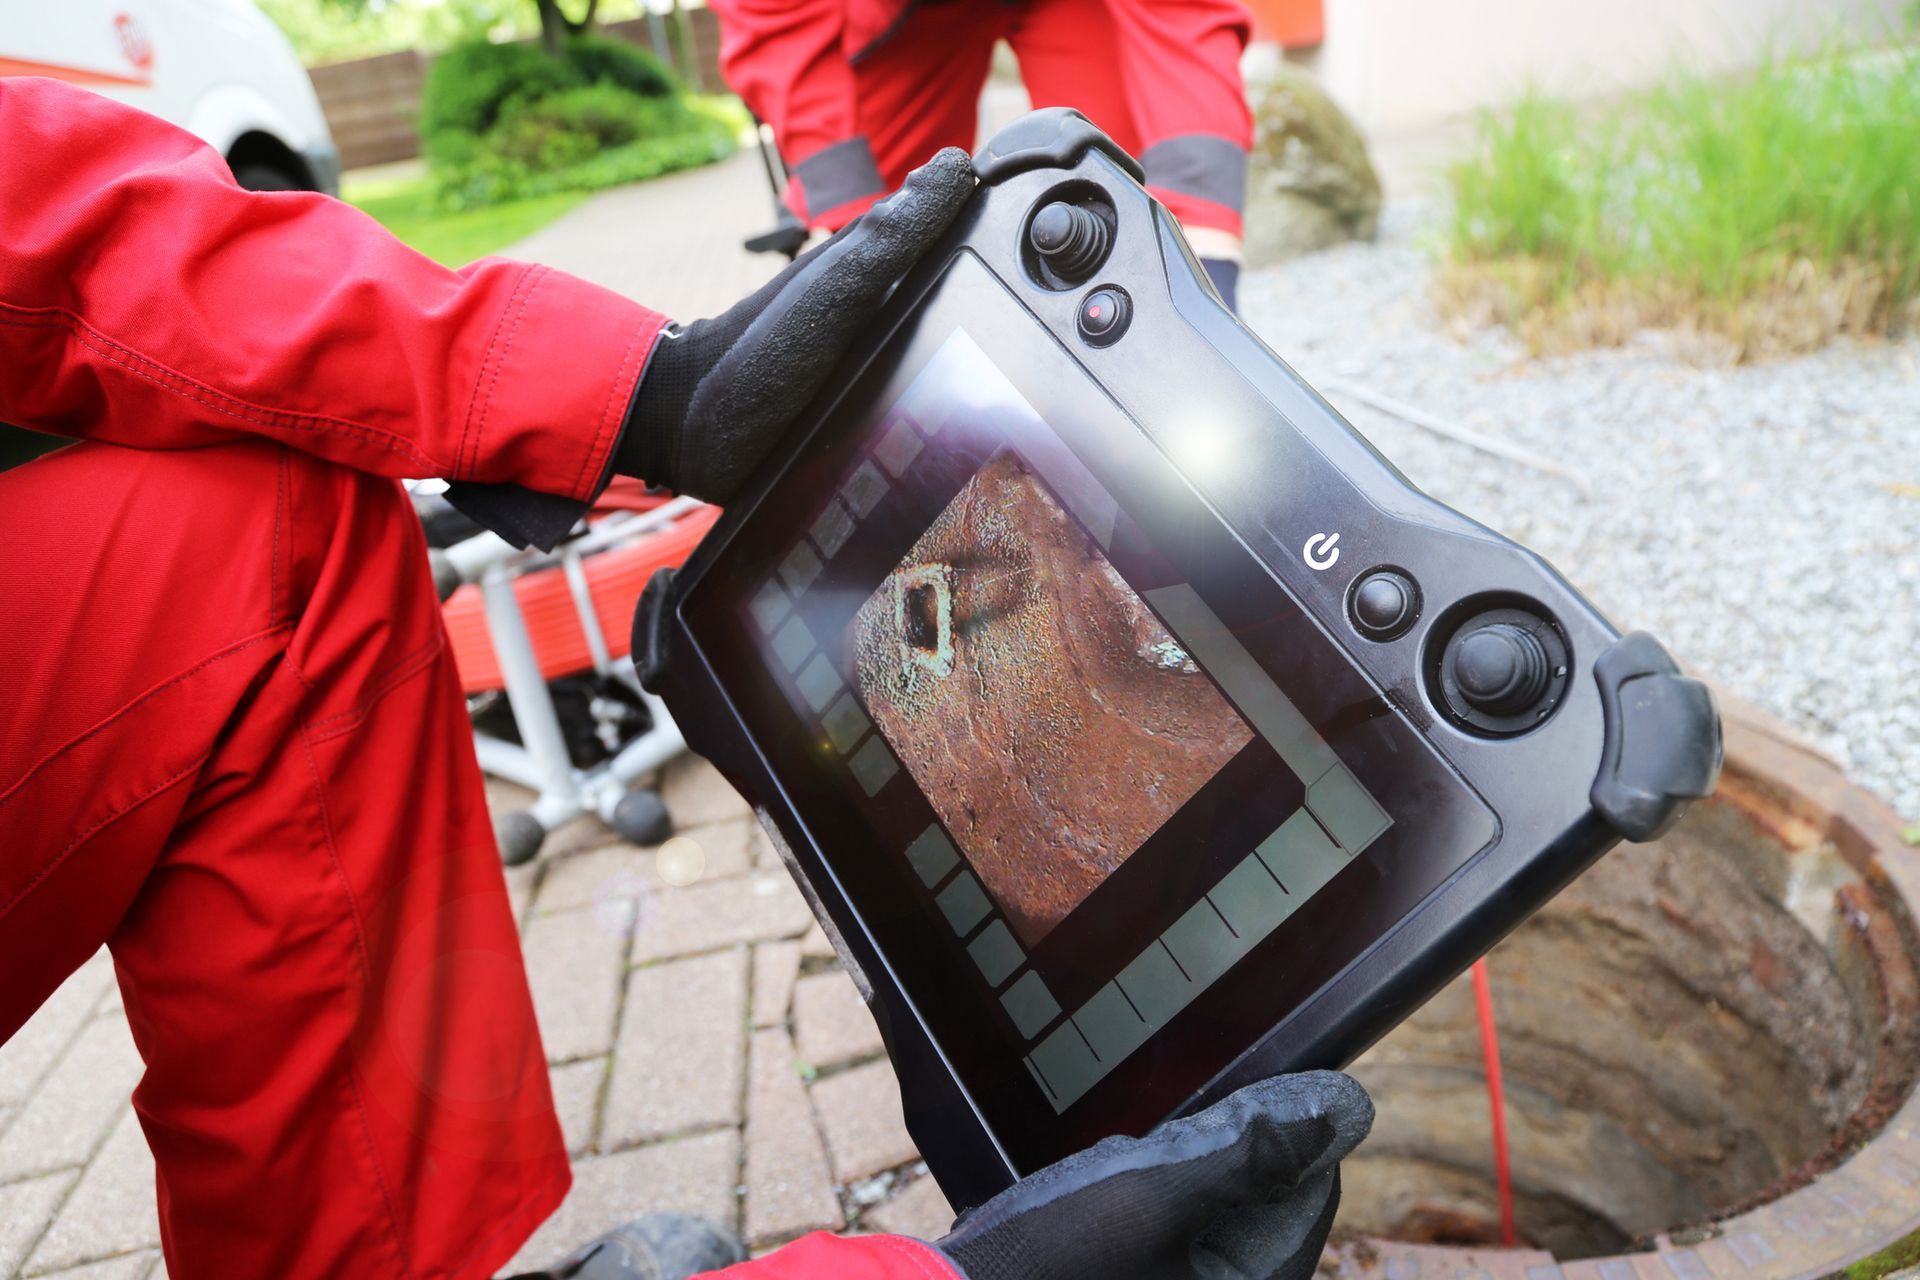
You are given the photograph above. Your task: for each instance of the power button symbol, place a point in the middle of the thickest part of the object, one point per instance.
(1321, 551)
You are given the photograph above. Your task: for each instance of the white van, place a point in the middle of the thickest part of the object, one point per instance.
(218, 68)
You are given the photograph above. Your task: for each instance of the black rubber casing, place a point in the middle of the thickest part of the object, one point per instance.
(1626, 745)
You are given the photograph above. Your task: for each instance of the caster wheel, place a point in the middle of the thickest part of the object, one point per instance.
(641, 816)
(520, 835)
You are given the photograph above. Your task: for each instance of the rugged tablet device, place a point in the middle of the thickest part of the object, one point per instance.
(1134, 728)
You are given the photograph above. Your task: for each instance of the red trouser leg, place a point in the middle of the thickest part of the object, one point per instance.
(1163, 80)
(917, 87)
(233, 747)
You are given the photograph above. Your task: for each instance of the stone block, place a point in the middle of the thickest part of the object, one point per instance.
(112, 1210)
(625, 872)
(860, 1115)
(697, 795)
(25, 1210)
(575, 961)
(831, 1022)
(576, 1097)
(681, 1059)
(43, 1037)
(128, 1266)
(776, 967)
(71, 1112)
(789, 1186)
(697, 1175)
(720, 913)
(916, 1209)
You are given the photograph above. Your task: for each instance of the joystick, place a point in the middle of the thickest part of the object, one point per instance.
(1500, 669)
(1072, 241)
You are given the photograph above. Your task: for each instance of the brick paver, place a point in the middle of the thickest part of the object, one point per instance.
(25, 1209)
(576, 1097)
(860, 1115)
(831, 1024)
(776, 967)
(575, 962)
(915, 1209)
(681, 1058)
(788, 1188)
(71, 1113)
(112, 1209)
(31, 1052)
(132, 1266)
(697, 795)
(719, 913)
(695, 1175)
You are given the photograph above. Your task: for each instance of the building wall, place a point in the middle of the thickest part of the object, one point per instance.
(1400, 64)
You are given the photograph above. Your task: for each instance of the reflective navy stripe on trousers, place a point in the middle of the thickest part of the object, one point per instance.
(1201, 165)
(837, 174)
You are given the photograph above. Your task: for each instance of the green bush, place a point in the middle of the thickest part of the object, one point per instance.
(505, 121)
(570, 126)
(604, 60)
(580, 140)
(472, 85)
(1776, 207)
(469, 86)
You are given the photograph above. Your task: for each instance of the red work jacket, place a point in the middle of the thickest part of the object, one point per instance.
(147, 301)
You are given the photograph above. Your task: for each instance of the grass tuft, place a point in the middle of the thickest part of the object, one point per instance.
(411, 209)
(1762, 214)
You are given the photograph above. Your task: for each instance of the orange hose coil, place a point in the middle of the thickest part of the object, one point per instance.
(615, 579)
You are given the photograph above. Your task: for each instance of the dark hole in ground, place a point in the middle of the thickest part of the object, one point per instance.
(1693, 1027)
(922, 610)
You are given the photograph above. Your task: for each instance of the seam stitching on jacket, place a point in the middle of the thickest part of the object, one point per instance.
(586, 474)
(240, 410)
(486, 358)
(331, 727)
(101, 726)
(279, 505)
(112, 816)
(534, 279)
(366, 982)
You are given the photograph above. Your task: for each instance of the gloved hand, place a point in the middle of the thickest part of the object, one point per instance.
(1245, 1190)
(719, 393)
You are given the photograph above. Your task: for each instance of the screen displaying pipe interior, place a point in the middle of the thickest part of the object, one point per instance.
(1045, 712)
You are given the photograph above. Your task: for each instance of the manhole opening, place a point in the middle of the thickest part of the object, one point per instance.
(1696, 1026)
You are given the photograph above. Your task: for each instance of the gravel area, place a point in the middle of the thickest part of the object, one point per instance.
(1763, 521)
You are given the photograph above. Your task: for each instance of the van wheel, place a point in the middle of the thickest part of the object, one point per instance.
(265, 177)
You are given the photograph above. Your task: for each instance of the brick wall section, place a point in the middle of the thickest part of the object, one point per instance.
(373, 104)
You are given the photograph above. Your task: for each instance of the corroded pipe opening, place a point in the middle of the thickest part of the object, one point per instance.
(1696, 1027)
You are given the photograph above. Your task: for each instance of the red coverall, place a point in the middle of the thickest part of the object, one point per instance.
(860, 91)
(232, 744)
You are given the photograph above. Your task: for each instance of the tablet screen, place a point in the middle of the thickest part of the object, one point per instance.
(1109, 802)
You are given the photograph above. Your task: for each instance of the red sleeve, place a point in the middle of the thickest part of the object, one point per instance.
(823, 1257)
(146, 300)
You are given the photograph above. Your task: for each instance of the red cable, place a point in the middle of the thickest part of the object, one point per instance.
(1496, 1100)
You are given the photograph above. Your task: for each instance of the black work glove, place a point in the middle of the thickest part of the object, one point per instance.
(1246, 1190)
(719, 393)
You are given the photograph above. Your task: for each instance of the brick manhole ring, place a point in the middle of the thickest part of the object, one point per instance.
(1709, 1047)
